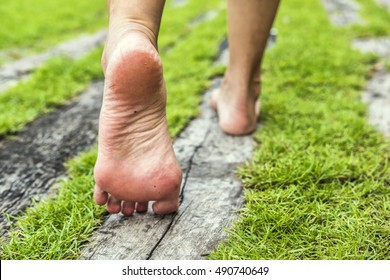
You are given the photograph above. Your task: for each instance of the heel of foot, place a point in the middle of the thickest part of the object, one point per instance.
(130, 64)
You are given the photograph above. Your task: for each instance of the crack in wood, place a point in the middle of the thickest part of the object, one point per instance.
(166, 232)
(190, 162)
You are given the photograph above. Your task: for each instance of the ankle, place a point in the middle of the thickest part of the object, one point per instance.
(242, 78)
(142, 16)
(125, 26)
(238, 87)
(120, 27)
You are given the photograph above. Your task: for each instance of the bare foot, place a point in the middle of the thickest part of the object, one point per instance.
(237, 109)
(136, 162)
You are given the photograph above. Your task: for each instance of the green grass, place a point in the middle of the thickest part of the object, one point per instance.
(57, 228)
(32, 26)
(318, 184)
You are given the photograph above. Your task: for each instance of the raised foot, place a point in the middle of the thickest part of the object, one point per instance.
(136, 162)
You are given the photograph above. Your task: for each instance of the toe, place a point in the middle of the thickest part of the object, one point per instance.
(100, 196)
(142, 207)
(128, 208)
(165, 207)
(113, 205)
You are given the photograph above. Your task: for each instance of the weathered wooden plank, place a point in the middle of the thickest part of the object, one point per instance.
(343, 12)
(377, 92)
(377, 95)
(13, 72)
(378, 46)
(31, 162)
(209, 198)
(121, 237)
(384, 3)
(208, 209)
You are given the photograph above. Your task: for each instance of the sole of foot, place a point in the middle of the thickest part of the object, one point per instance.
(136, 162)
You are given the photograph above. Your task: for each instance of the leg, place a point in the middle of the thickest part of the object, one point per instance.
(136, 162)
(249, 24)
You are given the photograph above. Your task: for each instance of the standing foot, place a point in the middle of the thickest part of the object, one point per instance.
(238, 107)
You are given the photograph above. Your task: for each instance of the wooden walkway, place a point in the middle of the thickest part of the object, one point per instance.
(210, 195)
